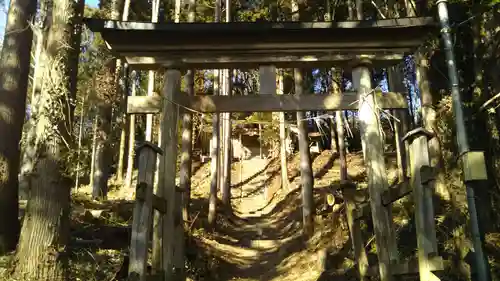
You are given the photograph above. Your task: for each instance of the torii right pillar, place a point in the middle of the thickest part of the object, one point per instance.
(422, 176)
(373, 154)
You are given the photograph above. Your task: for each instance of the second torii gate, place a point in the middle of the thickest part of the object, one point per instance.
(359, 45)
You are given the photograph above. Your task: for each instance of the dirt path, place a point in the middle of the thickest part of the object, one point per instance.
(249, 191)
(264, 240)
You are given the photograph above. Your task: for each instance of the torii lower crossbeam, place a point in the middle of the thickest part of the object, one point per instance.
(265, 103)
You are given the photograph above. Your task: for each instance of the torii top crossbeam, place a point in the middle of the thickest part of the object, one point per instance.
(251, 44)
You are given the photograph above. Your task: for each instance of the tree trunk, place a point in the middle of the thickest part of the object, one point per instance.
(121, 152)
(339, 119)
(103, 151)
(410, 8)
(187, 136)
(214, 146)
(80, 136)
(306, 175)
(41, 252)
(15, 66)
(261, 155)
(156, 254)
(151, 77)
(94, 149)
(28, 153)
(131, 140)
(122, 120)
(283, 137)
(214, 165)
(226, 170)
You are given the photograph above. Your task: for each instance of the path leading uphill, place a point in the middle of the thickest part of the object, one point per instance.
(263, 239)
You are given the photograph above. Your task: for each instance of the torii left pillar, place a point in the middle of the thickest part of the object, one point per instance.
(373, 152)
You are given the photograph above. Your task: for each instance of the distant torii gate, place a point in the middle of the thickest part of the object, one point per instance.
(359, 45)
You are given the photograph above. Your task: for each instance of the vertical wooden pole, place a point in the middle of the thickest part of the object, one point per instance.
(424, 210)
(143, 212)
(172, 229)
(373, 148)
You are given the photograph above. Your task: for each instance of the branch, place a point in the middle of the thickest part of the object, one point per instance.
(378, 10)
(488, 102)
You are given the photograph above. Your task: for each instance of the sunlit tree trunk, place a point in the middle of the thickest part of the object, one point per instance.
(102, 152)
(103, 156)
(123, 109)
(14, 70)
(151, 77)
(131, 139)
(187, 135)
(283, 136)
(80, 136)
(306, 175)
(28, 153)
(41, 252)
(95, 121)
(214, 145)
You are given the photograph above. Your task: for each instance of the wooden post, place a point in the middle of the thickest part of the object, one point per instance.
(143, 211)
(422, 194)
(373, 148)
(358, 246)
(172, 229)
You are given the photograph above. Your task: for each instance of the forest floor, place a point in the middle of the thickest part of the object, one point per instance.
(262, 238)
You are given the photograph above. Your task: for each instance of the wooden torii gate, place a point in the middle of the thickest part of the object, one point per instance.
(358, 45)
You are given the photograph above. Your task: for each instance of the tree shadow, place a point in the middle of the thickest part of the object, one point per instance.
(296, 172)
(249, 179)
(326, 167)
